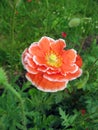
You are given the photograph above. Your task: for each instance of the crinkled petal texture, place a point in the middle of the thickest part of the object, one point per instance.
(49, 66)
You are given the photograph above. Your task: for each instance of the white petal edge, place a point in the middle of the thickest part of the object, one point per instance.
(22, 57)
(32, 45)
(71, 71)
(51, 79)
(75, 55)
(47, 90)
(62, 41)
(77, 76)
(32, 72)
(50, 39)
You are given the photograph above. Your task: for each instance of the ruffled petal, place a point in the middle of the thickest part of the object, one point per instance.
(69, 56)
(31, 70)
(58, 46)
(27, 59)
(53, 70)
(35, 50)
(79, 61)
(55, 77)
(45, 85)
(69, 68)
(42, 68)
(31, 63)
(39, 60)
(72, 76)
(44, 44)
(24, 55)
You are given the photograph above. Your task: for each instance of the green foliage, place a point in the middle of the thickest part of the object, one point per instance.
(67, 120)
(22, 106)
(83, 81)
(3, 77)
(12, 107)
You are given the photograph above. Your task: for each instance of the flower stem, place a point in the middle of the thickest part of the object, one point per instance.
(13, 26)
(91, 67)
(10, 88)
(47, 3)
(81, 46)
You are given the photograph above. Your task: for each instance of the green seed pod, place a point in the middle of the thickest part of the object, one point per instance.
(74, 22)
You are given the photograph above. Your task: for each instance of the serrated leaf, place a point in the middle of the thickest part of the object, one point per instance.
(72, 118)
(62, 113)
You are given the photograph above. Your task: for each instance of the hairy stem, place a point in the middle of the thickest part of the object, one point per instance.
(10, 88)
(82, 44)
(91, 67)
(13, 26)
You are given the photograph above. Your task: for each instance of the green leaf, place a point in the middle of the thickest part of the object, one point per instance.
(62, 113)
(68, 120)
(54, 24)
(64, 117)
(18, 2)
(3, 77)
(3, 56)
(83, 81)
(2, 111)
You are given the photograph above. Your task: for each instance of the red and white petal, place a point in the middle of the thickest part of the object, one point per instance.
(72, 76)
(27, 59)
(35, 50)
(24, 55)
(69, 56)
(45, 85)
(31, 70)
(44, 44)
(58, 46)
(39, 60)
(51, 40)
(55, 77)
(79, 61)
(53, 70)
(31, 63)
(68, 68)
(42, 68)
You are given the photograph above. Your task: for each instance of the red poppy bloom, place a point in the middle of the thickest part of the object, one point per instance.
(50, 67)
(83, 112)
(29, 0)
(64, 34)
(16, 12)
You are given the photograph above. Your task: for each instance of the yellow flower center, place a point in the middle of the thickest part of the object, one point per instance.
(53, 59)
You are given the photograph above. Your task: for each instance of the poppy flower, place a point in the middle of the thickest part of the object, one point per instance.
(83, 112)
(49, 66)
(16, 12)
(64, 34)
(29, 0)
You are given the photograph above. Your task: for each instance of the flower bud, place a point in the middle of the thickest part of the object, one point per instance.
(74, 22)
